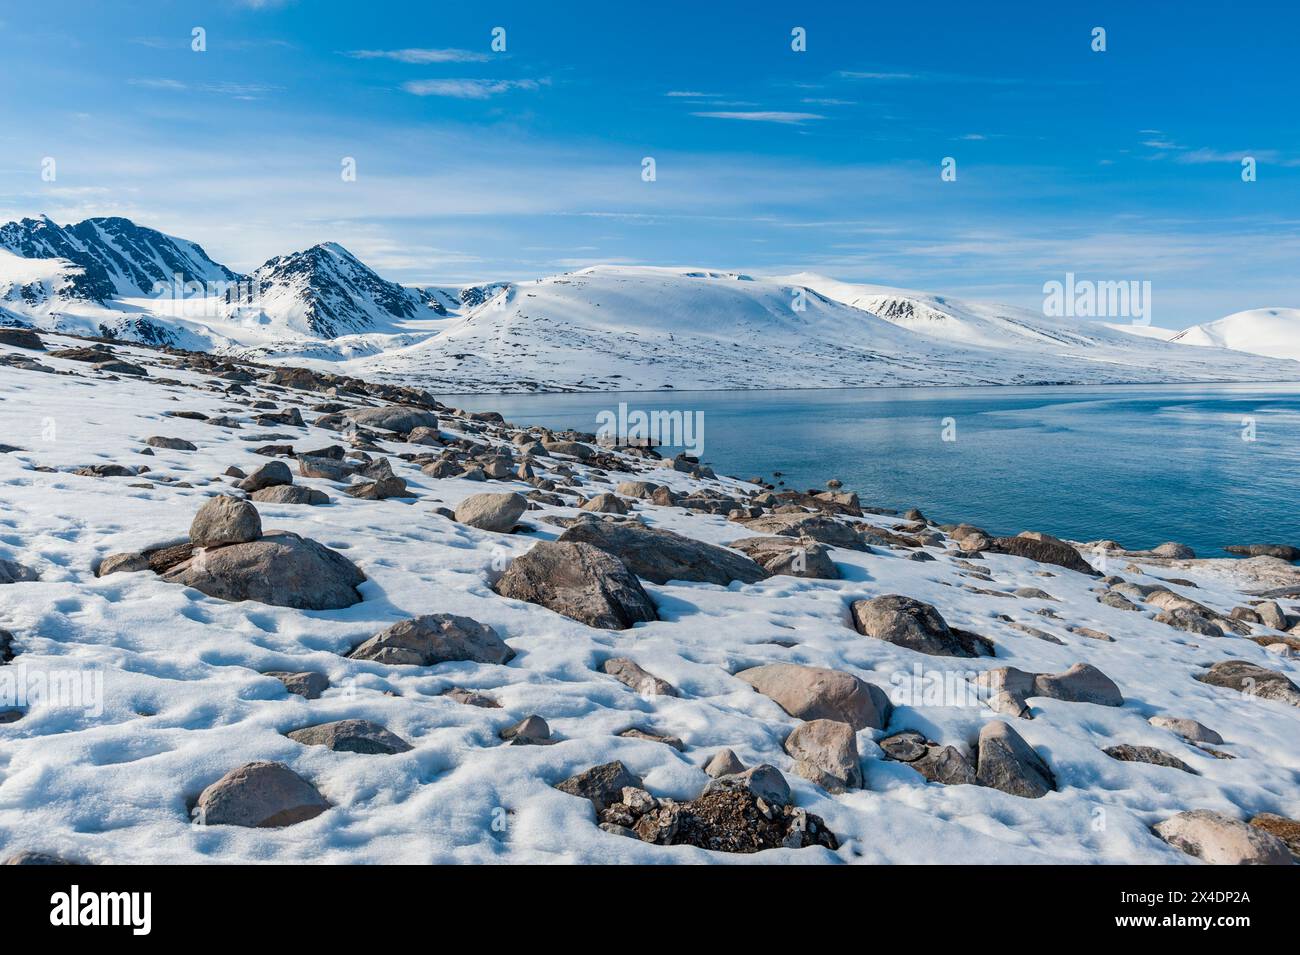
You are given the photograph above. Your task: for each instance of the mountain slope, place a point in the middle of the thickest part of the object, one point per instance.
(1260, 331)
(117, 257)
(641, 328)
(325, 292)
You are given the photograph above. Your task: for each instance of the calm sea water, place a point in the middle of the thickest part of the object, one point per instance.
(1140, 465)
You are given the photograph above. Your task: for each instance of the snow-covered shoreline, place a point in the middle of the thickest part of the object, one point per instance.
(186, 700)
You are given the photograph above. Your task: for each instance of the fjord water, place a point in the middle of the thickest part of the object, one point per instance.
(1206, 465)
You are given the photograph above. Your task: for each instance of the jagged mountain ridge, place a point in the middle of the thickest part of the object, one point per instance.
(326, 292)
(116, 256)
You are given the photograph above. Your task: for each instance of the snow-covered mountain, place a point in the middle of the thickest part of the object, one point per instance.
(325, 292)
(1260, 331)
(641, 328)
(600, 328)
(116, 256)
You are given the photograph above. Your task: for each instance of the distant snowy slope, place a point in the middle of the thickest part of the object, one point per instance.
(643, 328)
(1261, 331)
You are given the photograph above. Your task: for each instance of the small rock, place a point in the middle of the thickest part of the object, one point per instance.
(352, 736)
(528, 731)
(829, 747)
(270, 474)
(1188, 729)
(472, 698)
(432, 639)
(492, 512)
(723, 763)
(305, 683)
(225, 520)
(290, 494)
(630, 674)
(126, 563)
(260, 795)
(172, 444)
(1007, 763)
(1128, 753)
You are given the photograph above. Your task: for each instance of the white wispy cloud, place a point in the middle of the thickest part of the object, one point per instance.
(420, 56)
(470, 89)
(859, 75)
(692, 94)
(764, 116)
(223, 88)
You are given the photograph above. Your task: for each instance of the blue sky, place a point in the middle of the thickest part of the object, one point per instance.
(476, 165)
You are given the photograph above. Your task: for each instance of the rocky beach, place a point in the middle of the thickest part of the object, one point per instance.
(258, 613)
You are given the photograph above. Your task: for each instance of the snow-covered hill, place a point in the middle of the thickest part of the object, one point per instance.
(600, 328)
(1260, 331)
(641, 328)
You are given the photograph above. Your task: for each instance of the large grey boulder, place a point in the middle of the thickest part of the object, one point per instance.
(281, 569)
(605, 503)
(826, 752)
(261, 795)
(1006, 688)
(642, 490)
(1081, 683)
(916, 625)
(313, 466)
(1222, 840)
(580, 582)
(290, 494)
(815, 527)
(432, 639)
(492, 512)
(270, 474)
(401, 419)
(660, 556)
(225, 520)
(574, 449)
(352, 736)
(791, 556)
(1252, 680)
(1045, 550)
(1007, 763)
(817, 693)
